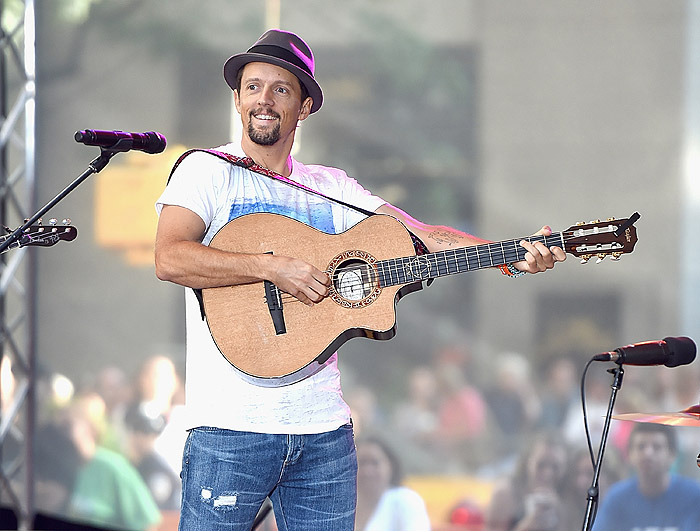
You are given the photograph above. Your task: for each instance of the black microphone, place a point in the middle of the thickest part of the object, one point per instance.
(150, 142)
(671, 352)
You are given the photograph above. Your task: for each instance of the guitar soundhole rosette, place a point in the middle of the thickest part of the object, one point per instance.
(354, 282)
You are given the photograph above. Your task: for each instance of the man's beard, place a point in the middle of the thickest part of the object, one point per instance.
(264, 138)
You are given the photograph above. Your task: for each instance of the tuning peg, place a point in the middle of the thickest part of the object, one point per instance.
(66, 221)
(579, 223)
(585, 258)
(601, 257)
(616, 257)
(53, 221)
(595, 221)
(610, 219)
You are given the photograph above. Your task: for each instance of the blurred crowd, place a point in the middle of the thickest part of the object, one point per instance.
(458, 414)
(108, 450)
(518, 425)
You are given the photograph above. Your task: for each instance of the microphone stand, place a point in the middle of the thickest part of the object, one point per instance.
(94, 167)
(594, 490)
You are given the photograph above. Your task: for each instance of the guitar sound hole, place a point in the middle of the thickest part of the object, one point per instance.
(353, 280)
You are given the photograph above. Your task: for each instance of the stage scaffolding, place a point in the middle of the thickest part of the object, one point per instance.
(17, 268)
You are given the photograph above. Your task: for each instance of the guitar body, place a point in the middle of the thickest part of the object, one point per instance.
(239, 317)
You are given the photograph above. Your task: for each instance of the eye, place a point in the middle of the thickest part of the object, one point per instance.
(283, 90)
(251, 87)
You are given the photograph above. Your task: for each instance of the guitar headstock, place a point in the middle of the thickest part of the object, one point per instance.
(45, 235)
(613, 237)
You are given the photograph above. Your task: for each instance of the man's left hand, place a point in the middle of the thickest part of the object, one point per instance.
(539, 257)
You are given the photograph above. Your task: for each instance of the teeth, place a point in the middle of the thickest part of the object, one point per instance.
(264, 117)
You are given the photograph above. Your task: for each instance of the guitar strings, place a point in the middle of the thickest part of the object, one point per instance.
(394, 269)
(509, 249)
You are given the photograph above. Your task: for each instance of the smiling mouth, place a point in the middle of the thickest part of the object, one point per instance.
(264, 117)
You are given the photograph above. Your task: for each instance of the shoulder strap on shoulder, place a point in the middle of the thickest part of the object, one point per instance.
(244, 162)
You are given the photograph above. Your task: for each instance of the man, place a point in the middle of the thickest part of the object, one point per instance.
(654, 499)
(294, 442)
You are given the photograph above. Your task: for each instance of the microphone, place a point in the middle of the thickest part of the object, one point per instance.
(671, 352)
(150, 142)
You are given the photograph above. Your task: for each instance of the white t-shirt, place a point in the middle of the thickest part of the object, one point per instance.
(218, 191)
(399, 509)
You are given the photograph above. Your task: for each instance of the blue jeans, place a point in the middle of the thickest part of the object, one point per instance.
(311, 480)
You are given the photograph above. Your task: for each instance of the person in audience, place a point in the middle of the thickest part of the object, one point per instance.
(157, 396)
(382, 502)
(512, 401)
(559, 393)
(462, 414)
(531, 500)
(653, 498)
(580, 477)
(113, 385)
(56, 465)
(415, 421)
(108, 490)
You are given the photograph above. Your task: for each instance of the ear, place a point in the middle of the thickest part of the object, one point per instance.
(305, 108)
(237, 100)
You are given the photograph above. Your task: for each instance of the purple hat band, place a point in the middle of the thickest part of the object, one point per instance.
(281, 53)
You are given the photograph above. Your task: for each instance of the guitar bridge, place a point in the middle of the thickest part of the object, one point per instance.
(273, 296)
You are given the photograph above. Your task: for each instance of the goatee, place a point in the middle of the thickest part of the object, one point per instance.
(264, 138)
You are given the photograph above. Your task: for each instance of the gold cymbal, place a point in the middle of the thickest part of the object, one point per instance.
(687, 417)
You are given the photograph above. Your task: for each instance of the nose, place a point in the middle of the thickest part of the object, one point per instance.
(265, 96)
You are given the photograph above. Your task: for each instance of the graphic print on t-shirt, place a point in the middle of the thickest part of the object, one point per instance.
(318, 215)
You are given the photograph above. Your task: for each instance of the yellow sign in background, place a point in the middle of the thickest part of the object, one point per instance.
(125, 195)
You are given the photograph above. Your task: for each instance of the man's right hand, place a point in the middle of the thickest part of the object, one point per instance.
(300, 279)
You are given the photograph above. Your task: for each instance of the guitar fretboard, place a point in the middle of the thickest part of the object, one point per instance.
(410, 269)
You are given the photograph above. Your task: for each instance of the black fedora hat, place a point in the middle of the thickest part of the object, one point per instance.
(284, 49)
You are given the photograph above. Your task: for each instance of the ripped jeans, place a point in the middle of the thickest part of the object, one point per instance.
(311, 480)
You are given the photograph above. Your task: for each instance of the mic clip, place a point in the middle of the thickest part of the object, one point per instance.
(120, 146)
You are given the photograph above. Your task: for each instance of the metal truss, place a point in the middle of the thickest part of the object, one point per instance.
(17, 269)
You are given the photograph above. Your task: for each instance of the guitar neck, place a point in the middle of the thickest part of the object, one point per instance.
(411, 269)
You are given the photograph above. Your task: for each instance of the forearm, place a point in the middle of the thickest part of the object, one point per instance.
(194, 265)
(440, 238)
(435, 237)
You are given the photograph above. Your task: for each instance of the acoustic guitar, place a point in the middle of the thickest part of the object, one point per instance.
(272, 339)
